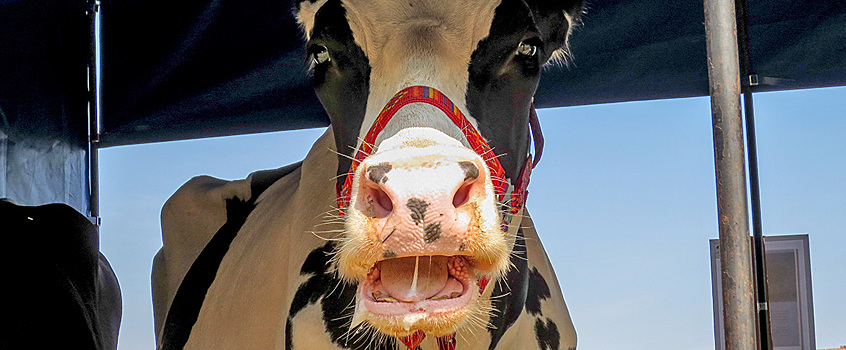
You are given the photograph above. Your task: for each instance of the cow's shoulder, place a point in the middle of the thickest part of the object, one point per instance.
(197, 209)
(192, 216)
(240, 240)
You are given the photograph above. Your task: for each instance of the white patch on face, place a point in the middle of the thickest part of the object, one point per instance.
(421, 115)
(418, 42)
(414, 136)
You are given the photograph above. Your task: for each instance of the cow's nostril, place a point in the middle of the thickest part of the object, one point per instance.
(462, 195)
(382, 200)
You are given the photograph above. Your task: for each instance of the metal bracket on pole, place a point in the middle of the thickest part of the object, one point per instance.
(757, 80)
(96, 220)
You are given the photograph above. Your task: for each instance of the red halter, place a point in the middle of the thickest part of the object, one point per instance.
(435, 98)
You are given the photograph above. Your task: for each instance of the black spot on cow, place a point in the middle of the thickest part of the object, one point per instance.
(389, 254)
(343, 85)
(337, 301)
(432, 232)
(500, 87)
(509, 296)
(471, 171)
(289, 334)
(189, 298)
(502, 101)
(547, 334)
(418, 209)
(538, 291)
(378, 173)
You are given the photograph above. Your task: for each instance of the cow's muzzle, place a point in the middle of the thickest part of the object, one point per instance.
(422, 194)
(422, 230)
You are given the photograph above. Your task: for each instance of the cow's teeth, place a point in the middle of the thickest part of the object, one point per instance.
(386, 300)
(452, 295)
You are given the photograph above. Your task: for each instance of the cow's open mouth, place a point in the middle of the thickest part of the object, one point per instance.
(411, 292)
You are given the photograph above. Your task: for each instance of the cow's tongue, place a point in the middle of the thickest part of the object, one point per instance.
(414, 278)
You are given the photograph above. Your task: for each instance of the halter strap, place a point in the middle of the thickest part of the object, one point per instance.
(518, 193)
(431, 96)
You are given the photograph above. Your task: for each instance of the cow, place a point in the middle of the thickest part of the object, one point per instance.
(404, 226)
(61, 291)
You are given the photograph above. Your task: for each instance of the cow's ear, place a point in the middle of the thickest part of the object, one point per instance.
(555, 19)
(305, 11)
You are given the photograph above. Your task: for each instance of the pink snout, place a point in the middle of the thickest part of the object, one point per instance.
(424, 206)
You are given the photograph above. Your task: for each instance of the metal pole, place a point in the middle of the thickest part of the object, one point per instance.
(735, 252)
(760, 263)
(93, 117)
(762, 294)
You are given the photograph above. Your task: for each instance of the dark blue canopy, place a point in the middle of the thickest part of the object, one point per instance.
(655, 49)
(203, 68)
(199, 68)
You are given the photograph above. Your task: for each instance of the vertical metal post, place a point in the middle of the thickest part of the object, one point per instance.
(735, 252)
(761, 292)
(93, 117)
(760, 262)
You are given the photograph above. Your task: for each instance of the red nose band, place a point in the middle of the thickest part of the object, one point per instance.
(429, 95)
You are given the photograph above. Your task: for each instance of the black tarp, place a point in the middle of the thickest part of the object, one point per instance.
(44, 51)
(198, 68)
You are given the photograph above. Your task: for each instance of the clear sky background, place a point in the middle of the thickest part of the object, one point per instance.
(624, 201)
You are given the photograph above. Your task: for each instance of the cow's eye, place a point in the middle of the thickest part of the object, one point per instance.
(319, 54)
(527, 49)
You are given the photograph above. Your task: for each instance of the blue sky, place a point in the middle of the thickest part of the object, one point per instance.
(624, 200)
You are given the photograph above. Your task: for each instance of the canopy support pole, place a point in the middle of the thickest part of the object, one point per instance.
(735, 252)
(93, 116)
(760, 263)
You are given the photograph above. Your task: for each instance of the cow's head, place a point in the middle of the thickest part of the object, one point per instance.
(423, 225)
